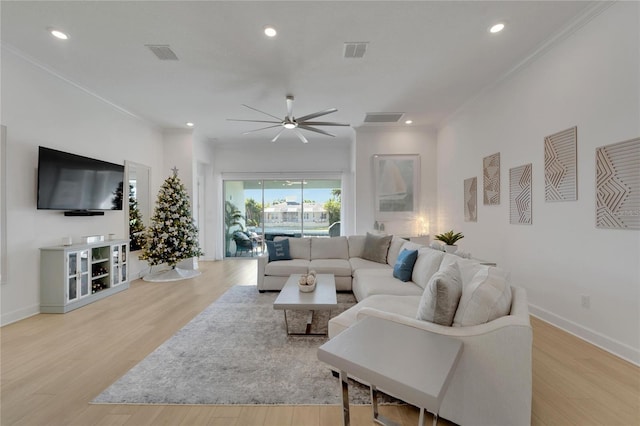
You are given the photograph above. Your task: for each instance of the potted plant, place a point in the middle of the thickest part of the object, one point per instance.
(449, 239)
(232, 219)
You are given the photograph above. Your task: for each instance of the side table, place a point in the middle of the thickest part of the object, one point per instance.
(408, 363)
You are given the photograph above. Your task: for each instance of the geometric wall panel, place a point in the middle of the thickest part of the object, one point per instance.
(471, 199)
(560, 166)
(520, 195)
(618, 185)
(491, 179)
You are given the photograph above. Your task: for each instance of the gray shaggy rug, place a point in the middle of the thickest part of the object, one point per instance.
(237, 351)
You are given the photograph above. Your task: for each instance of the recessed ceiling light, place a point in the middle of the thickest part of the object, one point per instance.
(496, 28)
(58, 34)
(408, 122)
(189, 124)
(269, 31)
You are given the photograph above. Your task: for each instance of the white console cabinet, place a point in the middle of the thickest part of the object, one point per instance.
(74, 276)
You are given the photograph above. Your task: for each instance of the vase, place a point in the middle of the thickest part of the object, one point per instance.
(450, 249)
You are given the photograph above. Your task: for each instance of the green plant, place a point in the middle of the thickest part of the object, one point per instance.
(449, 238)
(232, 218)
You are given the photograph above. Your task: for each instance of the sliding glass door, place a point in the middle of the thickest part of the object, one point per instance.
(263, 209)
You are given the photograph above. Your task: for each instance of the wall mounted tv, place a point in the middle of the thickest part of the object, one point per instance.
(82, 185)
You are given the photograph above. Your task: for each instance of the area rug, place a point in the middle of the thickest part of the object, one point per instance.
(237, 352)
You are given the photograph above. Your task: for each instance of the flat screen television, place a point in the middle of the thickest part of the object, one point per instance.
(78, 184)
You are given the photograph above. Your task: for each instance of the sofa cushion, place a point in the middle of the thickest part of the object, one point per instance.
(284, 268)
(329, 248)
(337, 267)
(367, 282)
(359, 263)
(402, 305)
(485, 298)
(441, 296)
(376, 247)
(395, 247)
(468, 268)
(278, 250)
(403, 268)
(299, 248)
(356, 245)
(427, 264)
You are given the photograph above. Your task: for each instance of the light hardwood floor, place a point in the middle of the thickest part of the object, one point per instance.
(53, 365)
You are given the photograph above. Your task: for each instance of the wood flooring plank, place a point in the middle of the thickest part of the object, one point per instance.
(53, 365)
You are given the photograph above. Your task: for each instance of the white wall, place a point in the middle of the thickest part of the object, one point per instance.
(39, 108)
(589, 80)
(398, 140)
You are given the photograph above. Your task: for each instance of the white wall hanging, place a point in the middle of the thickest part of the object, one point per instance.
(520, 208)
(397, 186)
(491, 179)
(618, 185)
(560, 166)
(471, 199)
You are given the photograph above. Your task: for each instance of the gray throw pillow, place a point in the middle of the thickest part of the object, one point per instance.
(441, 296)
(376, 247)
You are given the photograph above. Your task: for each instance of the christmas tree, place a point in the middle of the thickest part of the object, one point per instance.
(136, 227)
(172, 235)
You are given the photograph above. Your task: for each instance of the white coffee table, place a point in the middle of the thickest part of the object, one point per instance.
(322, 298)
(408, 363)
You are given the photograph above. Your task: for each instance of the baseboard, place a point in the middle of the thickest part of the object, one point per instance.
(608, 344)
(19, 314)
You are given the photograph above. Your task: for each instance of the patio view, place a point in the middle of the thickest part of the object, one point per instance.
(259, 210)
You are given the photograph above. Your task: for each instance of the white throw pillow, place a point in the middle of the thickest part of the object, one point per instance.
(441, 296)
(487, 297)
(426, 265)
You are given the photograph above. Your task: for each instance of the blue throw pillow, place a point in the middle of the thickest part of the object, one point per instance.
(278, 250)
(403, 268)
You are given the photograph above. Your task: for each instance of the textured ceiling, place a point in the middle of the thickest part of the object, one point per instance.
(426, 59)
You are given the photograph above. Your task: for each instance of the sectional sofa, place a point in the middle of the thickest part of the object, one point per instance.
(492, 383)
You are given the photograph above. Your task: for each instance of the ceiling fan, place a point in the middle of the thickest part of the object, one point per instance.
(292, 123)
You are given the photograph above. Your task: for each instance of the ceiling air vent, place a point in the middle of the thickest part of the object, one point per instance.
(355, 49)
(383, 117)
(162, 51)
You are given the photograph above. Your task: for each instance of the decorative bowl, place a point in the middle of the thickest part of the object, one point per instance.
(307, 288)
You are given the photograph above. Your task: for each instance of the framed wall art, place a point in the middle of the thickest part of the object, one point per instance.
(471, 199)
(396, 186)
(561, 166)
(520, 209)
(618, 185)
(491, 179)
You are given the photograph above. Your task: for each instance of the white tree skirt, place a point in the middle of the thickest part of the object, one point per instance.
(175, 274)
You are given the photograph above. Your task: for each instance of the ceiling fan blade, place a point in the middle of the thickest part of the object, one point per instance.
(255, 121)
(316, 114)
(262, 128)
(313, 129)
(301, 136)
(278, 135)
(322, 123)
(290, 107)
(265, 113)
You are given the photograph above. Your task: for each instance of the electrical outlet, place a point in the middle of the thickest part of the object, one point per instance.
(586, 301)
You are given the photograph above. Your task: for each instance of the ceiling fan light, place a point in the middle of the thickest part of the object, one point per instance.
(290, 126)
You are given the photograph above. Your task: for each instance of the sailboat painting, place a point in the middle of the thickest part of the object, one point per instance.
(396, 180)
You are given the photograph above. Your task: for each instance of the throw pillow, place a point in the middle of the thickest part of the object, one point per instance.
(485, 298)
(441, 296)
(376, 247)
(403, 268)
(278, 250)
